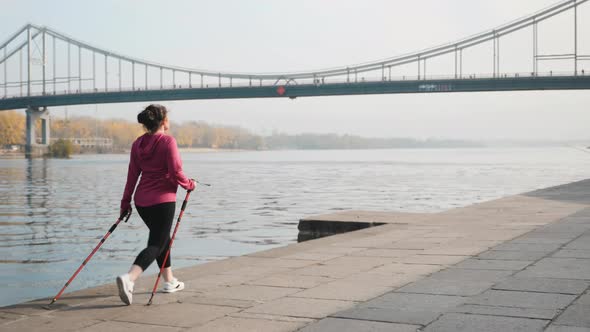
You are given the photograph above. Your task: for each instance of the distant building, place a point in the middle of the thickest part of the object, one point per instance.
(92, 142)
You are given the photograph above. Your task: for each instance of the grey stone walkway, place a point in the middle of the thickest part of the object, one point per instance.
(536, 282)
(520, 263)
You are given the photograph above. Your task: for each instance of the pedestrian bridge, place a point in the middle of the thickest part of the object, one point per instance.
(305, 90)
(34, 59)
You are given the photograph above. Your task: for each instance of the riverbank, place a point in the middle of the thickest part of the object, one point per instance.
(520, 262)
(19, 153)
(7, 154)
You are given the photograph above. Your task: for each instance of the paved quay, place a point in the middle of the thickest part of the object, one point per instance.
(520, 263)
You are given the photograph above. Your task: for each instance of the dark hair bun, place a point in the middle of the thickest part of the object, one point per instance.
(152, 116)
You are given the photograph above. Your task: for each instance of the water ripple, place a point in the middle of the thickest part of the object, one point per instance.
(52, 213)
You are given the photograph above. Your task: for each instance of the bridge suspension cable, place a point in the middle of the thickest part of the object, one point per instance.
(113, 73)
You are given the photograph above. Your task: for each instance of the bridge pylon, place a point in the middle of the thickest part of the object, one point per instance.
(32, 148)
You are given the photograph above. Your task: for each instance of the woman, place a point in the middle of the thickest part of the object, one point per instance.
(155, 156)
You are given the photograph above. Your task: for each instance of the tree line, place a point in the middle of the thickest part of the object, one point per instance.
(188, 135)
(198, 134)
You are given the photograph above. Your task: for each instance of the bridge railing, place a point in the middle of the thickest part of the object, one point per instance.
(38, 45)
(319, 82)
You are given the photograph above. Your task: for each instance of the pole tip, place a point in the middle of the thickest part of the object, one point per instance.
(48, 307)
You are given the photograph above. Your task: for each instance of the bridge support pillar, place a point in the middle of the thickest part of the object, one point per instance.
(32, 148)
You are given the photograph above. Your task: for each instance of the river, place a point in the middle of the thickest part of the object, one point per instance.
(53, 212)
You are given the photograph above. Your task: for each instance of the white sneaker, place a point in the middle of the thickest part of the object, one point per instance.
(173, 286)
(125, 288)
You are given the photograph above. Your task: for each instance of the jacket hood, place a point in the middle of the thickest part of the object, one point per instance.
(146, 145)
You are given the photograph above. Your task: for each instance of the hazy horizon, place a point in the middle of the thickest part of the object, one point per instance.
(497, 141)
(271, 36)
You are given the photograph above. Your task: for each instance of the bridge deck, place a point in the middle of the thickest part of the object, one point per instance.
(305, 90)
(518, 263)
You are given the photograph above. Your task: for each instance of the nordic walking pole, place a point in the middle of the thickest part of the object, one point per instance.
(188, 193)
(125, 216)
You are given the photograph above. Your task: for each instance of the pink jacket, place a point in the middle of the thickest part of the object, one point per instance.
(156, 158)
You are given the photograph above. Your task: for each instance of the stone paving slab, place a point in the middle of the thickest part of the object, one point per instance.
(544, 285)
(576, 192)
(223, 302)
(553, 232)
(581, 243)
(291, 281)
(414, 269)
(301, 307)
(472, 275)
(365, 263)
(334, 291)
(334, 271)
(255, 271)
(414, 301)
(333, 248)
(566, 253)
(282, 262)
(432, 259)
(349, 325)
(515, 263)
(404, 308)
(106, 309)
(313, 256)
(456, 250)
(512, 255)
(447, 287)
(271, 317)
(576, 315)
(537, 247)
(393, 280)
(584, 299)
(392, 253)
(564, 268)
(533, 313)
(563, 328)
(253, 292)
(235, 324)
(125, 327)
(537, 239)
(485, 264)
(412, 317)
(49, 323)
(454, 322)
(6, 317)
(520, 299)
(175, 314)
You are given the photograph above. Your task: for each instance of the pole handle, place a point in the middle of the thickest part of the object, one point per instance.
(126, 215)
(201, 183)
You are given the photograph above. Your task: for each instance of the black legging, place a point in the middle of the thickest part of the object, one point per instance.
(158, 219)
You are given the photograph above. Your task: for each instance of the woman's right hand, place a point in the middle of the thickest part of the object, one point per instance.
(123, 212)
(125, 208)
(194, 184)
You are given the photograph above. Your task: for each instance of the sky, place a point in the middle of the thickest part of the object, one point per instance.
(260, 36)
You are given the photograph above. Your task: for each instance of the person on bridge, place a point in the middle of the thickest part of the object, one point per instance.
(155, 157)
